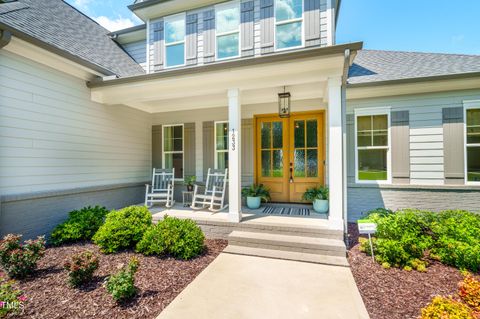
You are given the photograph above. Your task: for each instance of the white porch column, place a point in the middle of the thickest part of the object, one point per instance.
(335, 153)
(234, 149)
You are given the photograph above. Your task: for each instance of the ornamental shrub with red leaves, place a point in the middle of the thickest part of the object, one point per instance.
(81, 267)
(469, 291)
(20, 260)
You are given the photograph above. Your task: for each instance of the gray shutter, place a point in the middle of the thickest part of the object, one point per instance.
(189, 149)
(267, 26)
(248, 153)
(350, 148)
(158, 43)
(247, 32)
(157, 146)
(208, 147)
(191, 39)
(453, 140)
(400, 147)
(312, 22)
(209, 36)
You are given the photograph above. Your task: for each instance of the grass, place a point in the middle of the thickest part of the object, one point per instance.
(372, 175)
(474, 176)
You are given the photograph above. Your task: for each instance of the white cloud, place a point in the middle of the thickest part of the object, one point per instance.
(113, 24)
(82, 4)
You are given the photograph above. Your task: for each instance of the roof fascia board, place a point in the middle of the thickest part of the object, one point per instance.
(415, 80)
(238, 63)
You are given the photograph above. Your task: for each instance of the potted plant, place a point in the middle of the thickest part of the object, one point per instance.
(189, 182)
(319, 197)
(255, 194)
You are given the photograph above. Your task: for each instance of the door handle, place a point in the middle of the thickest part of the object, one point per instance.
(291, 173)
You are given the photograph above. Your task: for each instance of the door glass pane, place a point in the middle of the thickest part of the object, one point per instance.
(277, 135)
(473, 126)
(289, 35)
(288, 9)
(473, 164)
(222, 160)
(299, 134)
(221, 131)
(312, 163)
(372, 164)
(266, 130)
(266, 163)
(299, 166)
(277, 163)
(312, 133)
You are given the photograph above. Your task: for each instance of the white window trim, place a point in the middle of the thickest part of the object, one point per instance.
(183, 15)
(174, 152)
(276, 23)
(468, 105)
(215, 142)
(370, 112)
(239, 30)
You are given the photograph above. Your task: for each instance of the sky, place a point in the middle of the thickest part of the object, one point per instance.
(442, 26)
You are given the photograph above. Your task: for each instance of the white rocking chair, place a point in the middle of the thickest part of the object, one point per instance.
(161, 190)
(214, 194)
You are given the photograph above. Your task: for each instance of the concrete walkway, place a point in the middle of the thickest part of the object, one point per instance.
(241, 287)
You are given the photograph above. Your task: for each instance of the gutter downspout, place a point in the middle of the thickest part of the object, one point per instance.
(5, 38)
(346, 67)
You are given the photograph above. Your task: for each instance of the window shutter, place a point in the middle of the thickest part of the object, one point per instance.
(453, 145)
(189, 149)
(350, 127)
(191, 39)
(158, 43)
(246, 26)
(267, 26)
(208, 147)
(400, 131)
(157, 146)
(209, 35)
(312, 22)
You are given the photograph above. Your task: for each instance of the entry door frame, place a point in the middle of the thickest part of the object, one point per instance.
(322, 147)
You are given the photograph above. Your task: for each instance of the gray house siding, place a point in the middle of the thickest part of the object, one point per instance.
(138, 51)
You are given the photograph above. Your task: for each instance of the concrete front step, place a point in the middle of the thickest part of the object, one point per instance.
(287, 255)
(300, 244)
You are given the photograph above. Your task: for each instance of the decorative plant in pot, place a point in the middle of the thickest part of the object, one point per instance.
(255, 194)
(319, 197)
(190, 182)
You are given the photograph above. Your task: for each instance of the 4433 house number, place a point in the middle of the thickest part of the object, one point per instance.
(233, 140)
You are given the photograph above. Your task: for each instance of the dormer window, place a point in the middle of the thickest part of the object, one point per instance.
(288, 24)
(175, 40)
(228, 30)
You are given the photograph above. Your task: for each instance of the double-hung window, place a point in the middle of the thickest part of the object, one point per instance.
(288, 24)
(228, 30)
(172, 155)
(175, 40)
(372, 142)
(221, 145)
(473, 145)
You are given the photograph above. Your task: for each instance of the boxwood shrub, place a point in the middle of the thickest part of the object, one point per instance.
(180, 238)
(409, 238)
(123, 228)
(80, 225)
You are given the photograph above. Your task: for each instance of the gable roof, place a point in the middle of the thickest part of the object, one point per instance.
(375, 67)
(58, 27)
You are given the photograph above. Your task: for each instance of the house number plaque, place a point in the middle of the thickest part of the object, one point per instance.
(233, 140)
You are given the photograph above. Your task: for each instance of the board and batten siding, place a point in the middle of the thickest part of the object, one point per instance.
(316, 31)
(138, 51)
(53, 137)
(426, 139)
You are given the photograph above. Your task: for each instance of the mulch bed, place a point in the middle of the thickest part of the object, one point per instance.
(395, 293)
(159, 281)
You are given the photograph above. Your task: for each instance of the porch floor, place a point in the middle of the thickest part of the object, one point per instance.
(249, 216)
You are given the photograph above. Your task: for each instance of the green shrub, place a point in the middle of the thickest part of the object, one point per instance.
(378, 212)
(123, 228)
(122, 285)
(181, 238)
(257, 191)
(80, 225)
(20, 260)
(446, 308)
(11, 298)
(81, 267)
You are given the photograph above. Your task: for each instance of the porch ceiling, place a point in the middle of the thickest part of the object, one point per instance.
(305, 75)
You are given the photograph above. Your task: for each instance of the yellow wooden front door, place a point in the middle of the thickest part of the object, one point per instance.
(290, 154)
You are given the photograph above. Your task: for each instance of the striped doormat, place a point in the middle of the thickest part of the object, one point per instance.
(284, 210)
